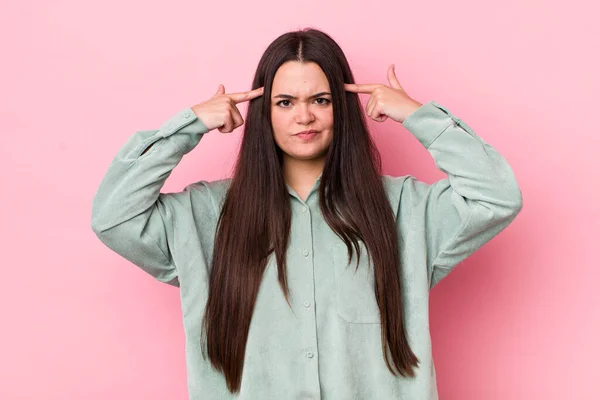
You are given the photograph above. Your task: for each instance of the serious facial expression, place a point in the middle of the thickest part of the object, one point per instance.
(301, 101)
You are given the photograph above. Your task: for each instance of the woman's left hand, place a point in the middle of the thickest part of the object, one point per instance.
(386, 101)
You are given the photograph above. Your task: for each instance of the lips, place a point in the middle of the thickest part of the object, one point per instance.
(307, 132)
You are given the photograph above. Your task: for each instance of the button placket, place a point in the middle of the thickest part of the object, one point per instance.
(303, 251)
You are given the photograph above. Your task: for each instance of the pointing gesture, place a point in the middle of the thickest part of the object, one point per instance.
(386, 101)
(220, 111)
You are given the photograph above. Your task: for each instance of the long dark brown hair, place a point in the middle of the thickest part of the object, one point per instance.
(247, 235)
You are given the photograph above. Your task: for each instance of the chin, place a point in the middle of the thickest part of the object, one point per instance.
(308, 155)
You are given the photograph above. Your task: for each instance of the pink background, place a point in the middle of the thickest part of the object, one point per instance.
(517, 320)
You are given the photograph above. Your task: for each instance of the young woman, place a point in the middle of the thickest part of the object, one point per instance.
(307, 274)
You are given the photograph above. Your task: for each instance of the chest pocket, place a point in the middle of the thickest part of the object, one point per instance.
(354, 289)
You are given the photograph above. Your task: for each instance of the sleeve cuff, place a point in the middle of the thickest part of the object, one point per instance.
(428, 121)
(180, 120)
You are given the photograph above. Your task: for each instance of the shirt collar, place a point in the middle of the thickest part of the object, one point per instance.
(314, 188)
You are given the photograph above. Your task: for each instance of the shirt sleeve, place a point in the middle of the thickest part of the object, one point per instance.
(129, 214)
(477, 200)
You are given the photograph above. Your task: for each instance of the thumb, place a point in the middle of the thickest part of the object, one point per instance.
(221, 90)
(392, 77)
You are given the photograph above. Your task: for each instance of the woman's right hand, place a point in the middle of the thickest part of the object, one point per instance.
(220, 111)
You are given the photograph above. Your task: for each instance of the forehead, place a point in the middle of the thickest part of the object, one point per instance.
(299, 79)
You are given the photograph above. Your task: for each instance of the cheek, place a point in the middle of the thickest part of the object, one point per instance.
(278, 124)
(277, 120)
(281, 127)
(326, 118)
(328, 123)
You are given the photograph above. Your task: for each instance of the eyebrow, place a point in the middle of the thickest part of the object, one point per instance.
(287, 96)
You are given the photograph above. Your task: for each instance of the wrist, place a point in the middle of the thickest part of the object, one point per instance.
(411, 107)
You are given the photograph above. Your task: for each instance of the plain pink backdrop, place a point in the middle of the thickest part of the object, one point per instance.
(517, 320)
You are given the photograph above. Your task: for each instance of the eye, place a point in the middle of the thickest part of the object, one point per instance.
(279, 103)
(324, 102)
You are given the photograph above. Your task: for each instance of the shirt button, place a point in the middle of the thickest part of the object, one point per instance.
(186, 114)
(304, 209)
(306, 304)
(310, 354)
(305, 253)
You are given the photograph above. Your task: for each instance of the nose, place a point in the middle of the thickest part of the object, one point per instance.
(303, 114)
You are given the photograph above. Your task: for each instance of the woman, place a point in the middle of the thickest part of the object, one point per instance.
(307, 274)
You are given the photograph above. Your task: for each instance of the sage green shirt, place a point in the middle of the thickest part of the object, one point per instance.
(328, 346)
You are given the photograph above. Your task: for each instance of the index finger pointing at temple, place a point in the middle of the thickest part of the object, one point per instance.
(352, 87)
(245, 96)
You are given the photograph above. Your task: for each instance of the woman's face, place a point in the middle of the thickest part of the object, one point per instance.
(301, 101)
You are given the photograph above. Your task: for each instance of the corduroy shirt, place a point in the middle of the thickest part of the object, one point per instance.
(328, 345)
